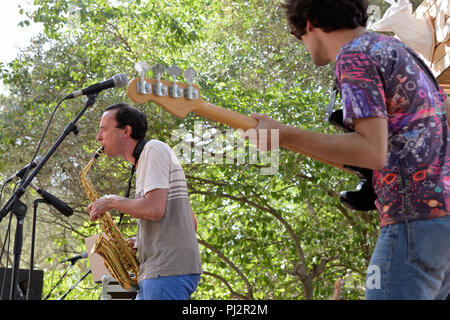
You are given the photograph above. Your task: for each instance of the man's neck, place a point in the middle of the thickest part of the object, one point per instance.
(128, 155)
(337, 39)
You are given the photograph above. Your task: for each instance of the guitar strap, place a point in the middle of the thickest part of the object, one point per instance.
(329, 114)
(332, 102)
(427, 70)
(136, 154)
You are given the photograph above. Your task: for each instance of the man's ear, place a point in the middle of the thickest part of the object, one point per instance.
(309, 26)
(127, 130)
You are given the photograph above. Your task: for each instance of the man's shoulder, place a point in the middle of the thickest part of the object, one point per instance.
(372, 44)
(159, 149)
(155, 144)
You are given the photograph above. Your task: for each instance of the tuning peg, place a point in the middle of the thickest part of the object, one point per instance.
(190, 92)
(174, 71)
(141, 67)
(189, 74)
(175, 91)
(158, 88)
(158, 69)
(143, 87)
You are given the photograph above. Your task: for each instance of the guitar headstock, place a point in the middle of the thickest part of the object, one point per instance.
(177, 98)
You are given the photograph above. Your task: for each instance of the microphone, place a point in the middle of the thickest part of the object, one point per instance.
(75, 258)
(21, 172)
(119, 80)
(61, 206)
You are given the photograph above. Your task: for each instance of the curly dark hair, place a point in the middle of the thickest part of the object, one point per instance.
(329, 15)
(127, 115)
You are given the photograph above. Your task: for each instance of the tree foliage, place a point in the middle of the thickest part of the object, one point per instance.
(279, 236)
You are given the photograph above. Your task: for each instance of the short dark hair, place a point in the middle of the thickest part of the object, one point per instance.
(328, 15)
(127, 115)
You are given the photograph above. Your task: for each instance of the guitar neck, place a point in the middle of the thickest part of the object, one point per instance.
(230, 118)
(237, 120)
(181, 107)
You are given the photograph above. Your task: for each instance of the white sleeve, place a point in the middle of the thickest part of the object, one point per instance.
(156, 167)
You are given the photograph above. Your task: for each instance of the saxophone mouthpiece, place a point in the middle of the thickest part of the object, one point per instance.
(99, 152)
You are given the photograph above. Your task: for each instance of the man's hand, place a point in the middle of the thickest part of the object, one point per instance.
(151, 206)
(133, 244)
(266, 135)
(366, 147)
(98, 208)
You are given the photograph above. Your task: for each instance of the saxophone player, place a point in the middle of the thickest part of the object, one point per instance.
(168, 252)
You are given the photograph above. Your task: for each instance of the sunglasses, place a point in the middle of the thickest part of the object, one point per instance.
(297, 34)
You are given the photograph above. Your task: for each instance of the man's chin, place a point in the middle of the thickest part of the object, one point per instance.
(107, 152)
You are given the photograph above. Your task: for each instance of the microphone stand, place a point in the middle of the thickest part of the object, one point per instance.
(73, 287)
(60, 279)
(19, 208)
(33, 232)
(72, 263)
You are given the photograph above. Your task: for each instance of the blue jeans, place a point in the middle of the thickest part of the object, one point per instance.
(168, 288)
(411, 261)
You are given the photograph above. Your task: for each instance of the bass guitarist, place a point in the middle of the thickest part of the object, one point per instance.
(398, 127)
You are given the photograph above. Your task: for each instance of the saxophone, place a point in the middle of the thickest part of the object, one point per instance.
(117, 252)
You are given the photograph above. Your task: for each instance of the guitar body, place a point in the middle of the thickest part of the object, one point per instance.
(363, 199)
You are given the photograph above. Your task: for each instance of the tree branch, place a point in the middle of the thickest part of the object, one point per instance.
(233, 294)
(125, 42)
(232, 265)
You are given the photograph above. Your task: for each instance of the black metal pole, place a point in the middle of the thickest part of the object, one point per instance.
(71, 127)
(59, 281)
(19, 208)
(33, 233)
(73, 287)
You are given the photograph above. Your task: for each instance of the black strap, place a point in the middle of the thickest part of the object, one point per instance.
(136, 154)
(426, 69)
(138, 149)
(332, 102)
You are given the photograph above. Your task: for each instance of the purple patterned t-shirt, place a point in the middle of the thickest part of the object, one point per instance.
(377, 76)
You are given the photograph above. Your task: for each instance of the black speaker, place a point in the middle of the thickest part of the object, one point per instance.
(37, 280)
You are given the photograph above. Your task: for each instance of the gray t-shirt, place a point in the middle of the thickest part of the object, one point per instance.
(168, 247)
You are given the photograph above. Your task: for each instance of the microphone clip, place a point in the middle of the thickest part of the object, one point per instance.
(58, 204)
